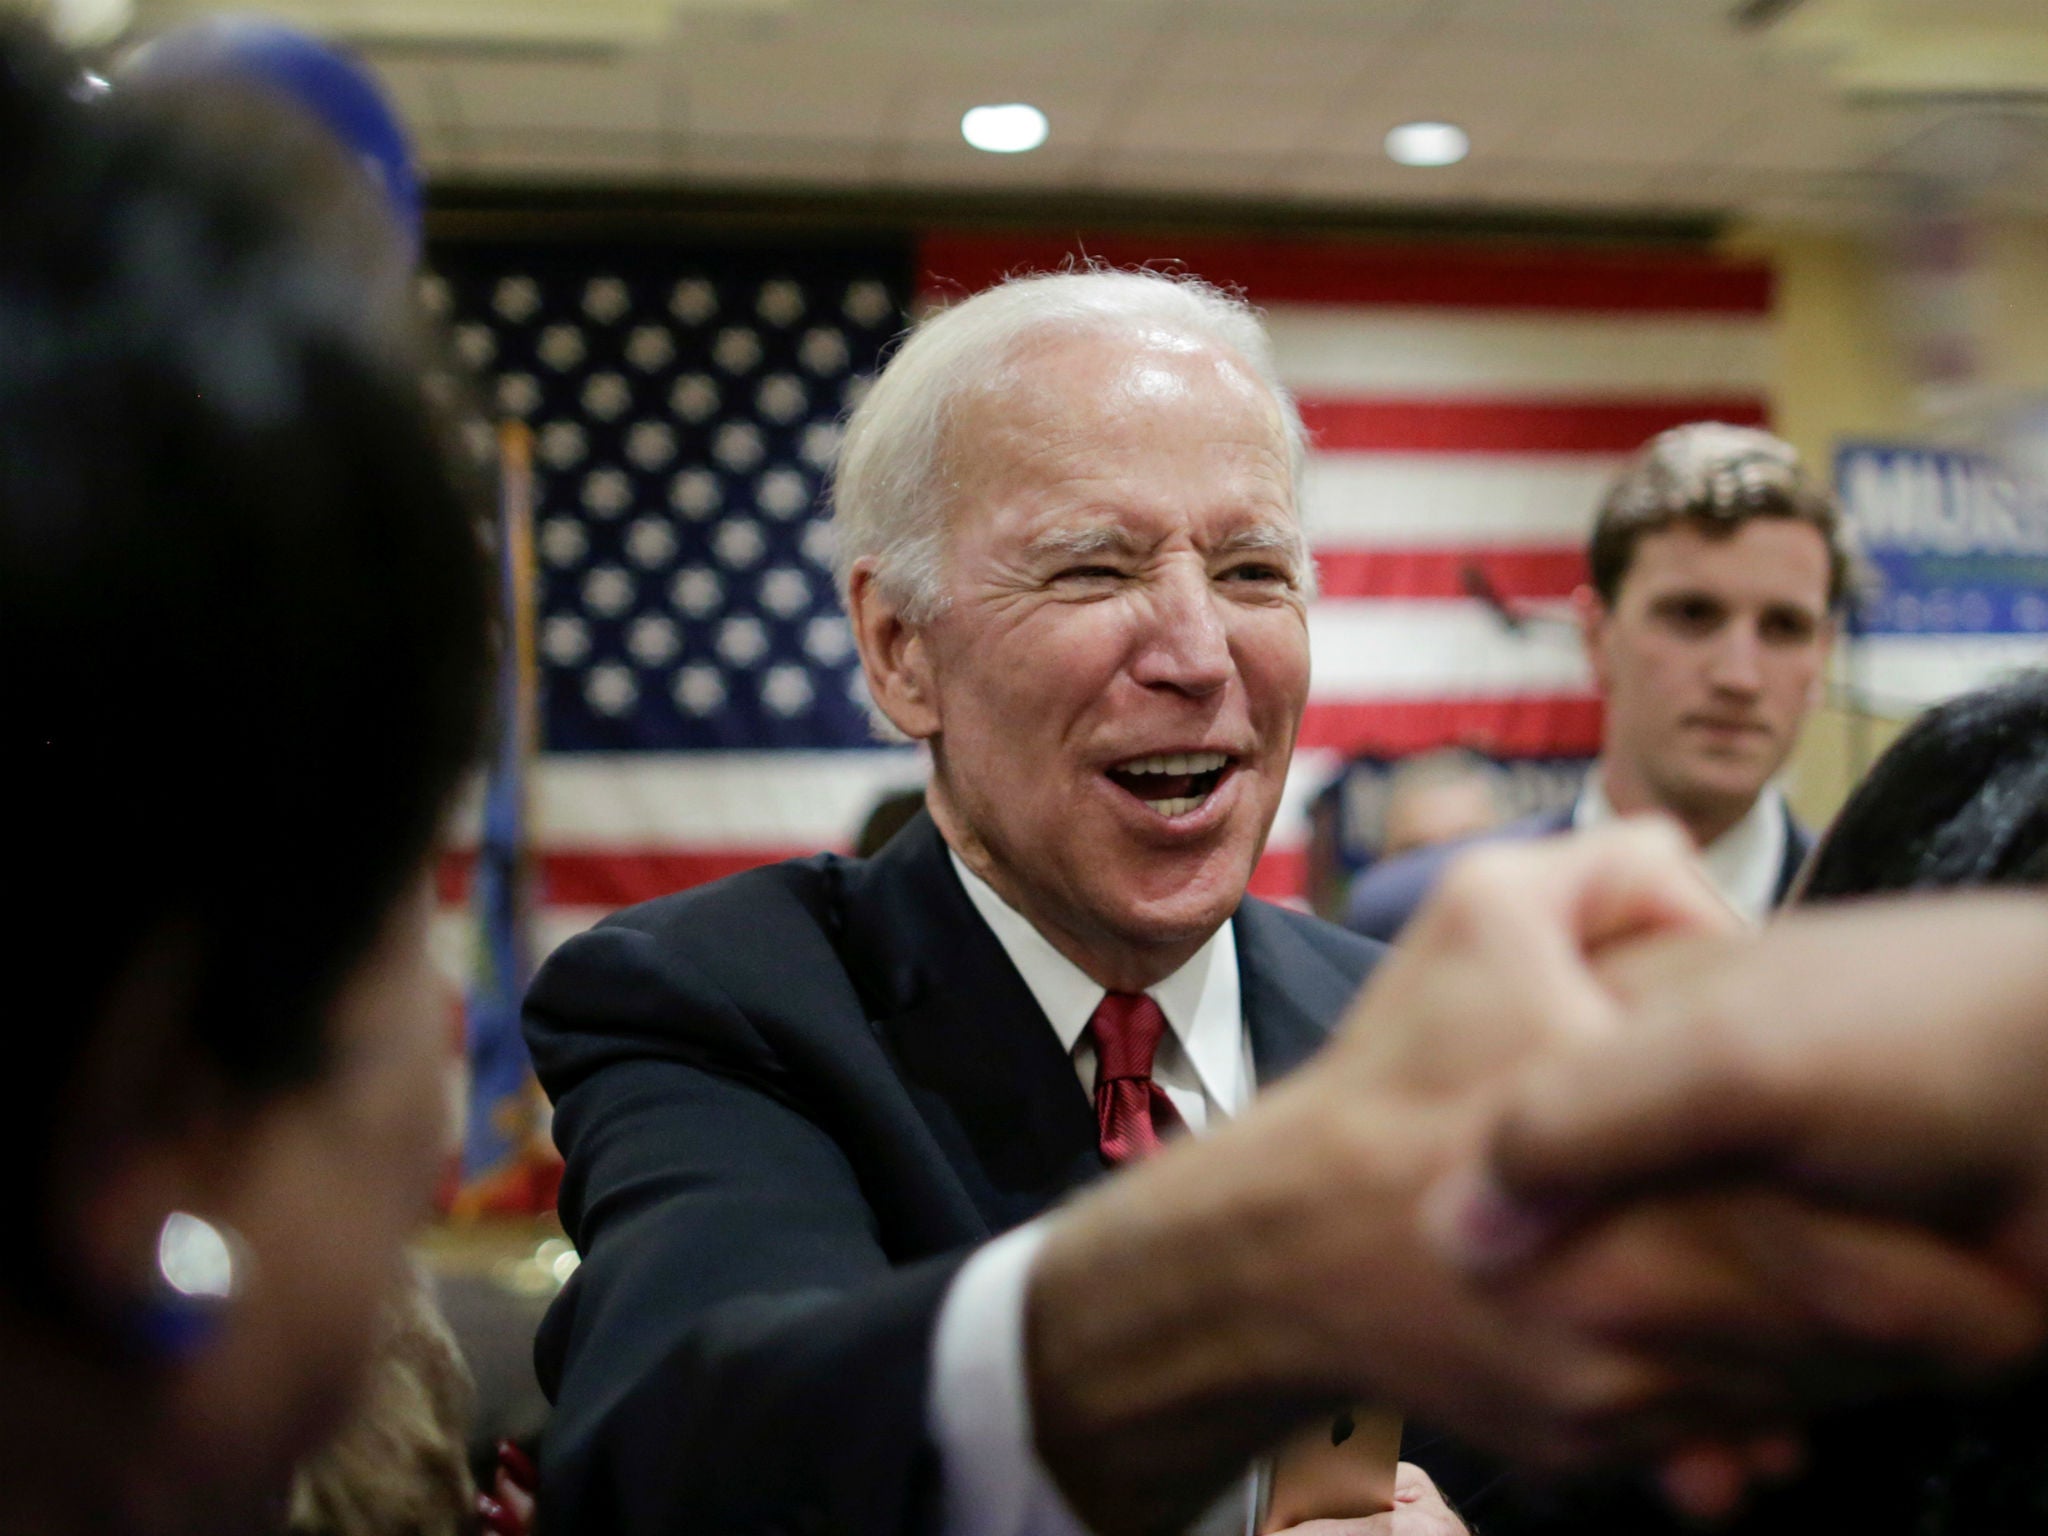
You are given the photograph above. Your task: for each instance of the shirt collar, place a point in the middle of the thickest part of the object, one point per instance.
(1743, 863)
(1201, 1000)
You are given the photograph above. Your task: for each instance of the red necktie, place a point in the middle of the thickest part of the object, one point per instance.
(1131, 1111)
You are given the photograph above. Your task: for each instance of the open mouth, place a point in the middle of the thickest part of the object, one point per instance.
(1172, 783)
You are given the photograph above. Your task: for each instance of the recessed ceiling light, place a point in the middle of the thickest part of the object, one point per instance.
(89, 23)
(1428, 144)
(1008, 129)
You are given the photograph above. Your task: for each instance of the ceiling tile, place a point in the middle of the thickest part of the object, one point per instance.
(622, 93)
(419, 89)
(740, 85)
(1594, 104)
(557, 154)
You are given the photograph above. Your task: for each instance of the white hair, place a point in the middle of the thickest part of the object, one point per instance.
(892, 493)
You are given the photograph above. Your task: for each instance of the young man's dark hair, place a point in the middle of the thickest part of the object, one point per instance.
(1715, 477)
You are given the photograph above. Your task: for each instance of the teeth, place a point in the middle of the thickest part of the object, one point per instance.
(1178, 805)
(1176, 762)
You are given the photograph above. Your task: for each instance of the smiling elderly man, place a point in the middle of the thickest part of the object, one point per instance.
(1068, 544)
(802, 1107)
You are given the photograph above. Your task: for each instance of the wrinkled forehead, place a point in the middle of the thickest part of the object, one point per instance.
(1056, 385)
(1135, 361)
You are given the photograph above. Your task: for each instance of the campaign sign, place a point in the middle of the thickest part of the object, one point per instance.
(1955, 545)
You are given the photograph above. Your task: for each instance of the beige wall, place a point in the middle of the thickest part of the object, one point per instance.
(1843, 370)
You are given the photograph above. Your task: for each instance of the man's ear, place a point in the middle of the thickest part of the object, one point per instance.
(1592, 613)
(894, 656)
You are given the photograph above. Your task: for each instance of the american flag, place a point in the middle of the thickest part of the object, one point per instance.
(701, 701)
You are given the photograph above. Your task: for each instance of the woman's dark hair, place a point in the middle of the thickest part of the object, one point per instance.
(242, 598)
(1960, 799)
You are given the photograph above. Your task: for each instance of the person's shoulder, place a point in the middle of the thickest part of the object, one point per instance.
(759, 903)
(1384, 897)
(1352, 953)
(763, 933)
(724, 972)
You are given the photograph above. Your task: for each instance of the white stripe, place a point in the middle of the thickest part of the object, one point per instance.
(1409, 353)
(1439, 649)
(452, 936)
(635, 801)
(779, 800)
(1901, 674)
(454, 926)
(1363, 500)
(1307, 774)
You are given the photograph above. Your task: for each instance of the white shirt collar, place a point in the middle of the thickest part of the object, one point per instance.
(1201, 1000)
(1743, 863)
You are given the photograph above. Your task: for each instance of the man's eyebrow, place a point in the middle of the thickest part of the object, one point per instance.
(1101, 539)
(1267, 538)
(1690, 595)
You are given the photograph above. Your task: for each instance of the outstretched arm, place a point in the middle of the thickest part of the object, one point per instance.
(1182, 1316)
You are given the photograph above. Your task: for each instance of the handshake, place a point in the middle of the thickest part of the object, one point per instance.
(1591, 1175)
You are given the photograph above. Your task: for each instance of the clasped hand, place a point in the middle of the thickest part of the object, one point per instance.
(1464, 1207)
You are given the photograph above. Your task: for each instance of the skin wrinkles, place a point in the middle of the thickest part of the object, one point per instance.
(1708, 660)
(1124, 577)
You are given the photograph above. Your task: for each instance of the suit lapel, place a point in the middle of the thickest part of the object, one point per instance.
(976, 1053)
(1292, 995)
(972, 1046)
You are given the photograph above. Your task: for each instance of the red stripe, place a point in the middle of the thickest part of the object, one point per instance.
(1354, 272)
(618, 878)
(1534, 571)
(1536, 725)
(1513, 426)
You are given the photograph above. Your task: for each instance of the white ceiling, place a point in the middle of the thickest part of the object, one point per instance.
(1597, 106)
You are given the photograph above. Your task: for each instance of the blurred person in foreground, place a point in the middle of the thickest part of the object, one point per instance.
(1885, 1057)
(1717, 568)
(242, 606)
(803, 1107)
(1959, 800)
(398, 1466)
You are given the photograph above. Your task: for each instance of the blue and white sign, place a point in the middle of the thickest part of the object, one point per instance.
(1956, 545)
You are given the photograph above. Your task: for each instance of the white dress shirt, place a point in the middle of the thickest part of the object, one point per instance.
(1743, 863)
(978, 1408)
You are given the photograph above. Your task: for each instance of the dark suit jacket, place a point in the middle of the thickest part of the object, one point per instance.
(1385, 896)
(792, 1103)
